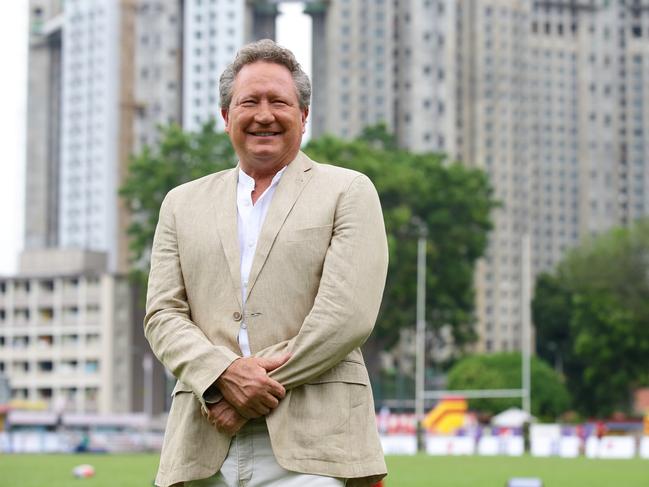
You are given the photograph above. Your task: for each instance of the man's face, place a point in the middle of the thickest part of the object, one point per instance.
(264, 120)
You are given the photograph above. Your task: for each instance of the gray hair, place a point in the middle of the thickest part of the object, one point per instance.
(268, 51)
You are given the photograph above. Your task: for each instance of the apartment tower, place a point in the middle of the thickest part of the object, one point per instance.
(548, 97)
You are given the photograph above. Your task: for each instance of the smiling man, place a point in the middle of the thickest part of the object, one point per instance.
(265, 281)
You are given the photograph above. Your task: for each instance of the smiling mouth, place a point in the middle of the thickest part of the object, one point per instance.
(264, 134)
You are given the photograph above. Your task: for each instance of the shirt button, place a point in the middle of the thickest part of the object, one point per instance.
(244, 326)
(236, 316)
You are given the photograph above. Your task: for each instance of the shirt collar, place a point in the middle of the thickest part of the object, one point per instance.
(248, 183)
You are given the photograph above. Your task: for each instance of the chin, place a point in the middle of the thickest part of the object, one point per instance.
(265, 155)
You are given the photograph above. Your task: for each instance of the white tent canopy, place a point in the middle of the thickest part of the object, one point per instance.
(512, 418)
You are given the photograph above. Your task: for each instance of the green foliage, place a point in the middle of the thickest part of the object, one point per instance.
(454, 203)
(552, 307)
(592, 318)
(180, 157)
(550, 396)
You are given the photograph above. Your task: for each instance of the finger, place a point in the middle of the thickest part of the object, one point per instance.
(271, 363)
(270, 401)
(248, 413)
(275, 388)
(228, 429)
(261, 409)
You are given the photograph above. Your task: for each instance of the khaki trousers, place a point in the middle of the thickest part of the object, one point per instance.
(251, 463)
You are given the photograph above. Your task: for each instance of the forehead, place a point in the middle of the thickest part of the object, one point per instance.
(261, 76)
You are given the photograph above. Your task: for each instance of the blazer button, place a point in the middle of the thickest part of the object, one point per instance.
(236, 316)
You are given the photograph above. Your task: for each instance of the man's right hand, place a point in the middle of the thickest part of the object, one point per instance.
(246, 386)
(225, 418)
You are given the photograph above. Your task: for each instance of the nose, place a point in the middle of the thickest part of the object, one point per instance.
(264, 114)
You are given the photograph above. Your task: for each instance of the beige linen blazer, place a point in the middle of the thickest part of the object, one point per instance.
(314, 290)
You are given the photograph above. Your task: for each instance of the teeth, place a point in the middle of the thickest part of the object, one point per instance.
(262, 134)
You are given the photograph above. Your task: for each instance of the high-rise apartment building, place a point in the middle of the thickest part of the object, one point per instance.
(90, 116)
(353, 65)
(491, 133)
(79, 125)
(157, 69)
(103, 75)
(43, 124)
(548, 97)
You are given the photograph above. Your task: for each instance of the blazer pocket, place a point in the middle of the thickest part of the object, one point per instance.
(311, 233)
(346, 371)
(327, 409)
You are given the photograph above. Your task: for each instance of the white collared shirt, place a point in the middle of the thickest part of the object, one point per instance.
(250, 219)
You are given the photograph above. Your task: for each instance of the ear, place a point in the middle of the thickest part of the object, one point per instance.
(305, 115)
(226, 117)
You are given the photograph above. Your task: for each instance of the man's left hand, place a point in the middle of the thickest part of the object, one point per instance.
(225, 417)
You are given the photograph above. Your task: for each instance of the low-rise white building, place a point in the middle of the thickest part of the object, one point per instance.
(71, 337)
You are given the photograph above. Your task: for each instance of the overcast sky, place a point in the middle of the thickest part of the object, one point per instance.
(293, 32)
(13, 86)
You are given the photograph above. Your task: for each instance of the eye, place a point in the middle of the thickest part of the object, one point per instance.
(248, 102)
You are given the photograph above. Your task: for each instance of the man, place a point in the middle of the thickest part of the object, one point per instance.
(265, 281)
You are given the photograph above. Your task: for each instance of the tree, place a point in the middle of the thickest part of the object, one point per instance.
(549, 395)
(595, 311)
(452, 200)
(180, 157)
(552, 306)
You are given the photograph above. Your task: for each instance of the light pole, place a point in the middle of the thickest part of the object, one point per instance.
(420, 339)
(526, 332)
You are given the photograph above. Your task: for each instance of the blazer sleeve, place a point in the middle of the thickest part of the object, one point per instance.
(175, 339)
(350, 291)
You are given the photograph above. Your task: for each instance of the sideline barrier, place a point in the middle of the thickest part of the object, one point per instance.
(512, 446)
(569, 447)
(399, 444)
(450, 445)
(644, 447)
(68, 441)
(547, 440)
(618, 447)
(566, 447)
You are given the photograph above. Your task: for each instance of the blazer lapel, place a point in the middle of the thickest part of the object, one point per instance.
(227, 224)
(293, 181)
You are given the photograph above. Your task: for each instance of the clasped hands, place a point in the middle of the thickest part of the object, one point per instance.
(248, 393)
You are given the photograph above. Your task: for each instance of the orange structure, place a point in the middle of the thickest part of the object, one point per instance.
(449, 415)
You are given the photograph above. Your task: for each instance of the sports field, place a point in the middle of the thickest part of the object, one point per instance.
(416, 471)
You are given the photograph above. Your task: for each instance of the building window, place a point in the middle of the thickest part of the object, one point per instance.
(44, 393)
(92, 366)
(45, 366)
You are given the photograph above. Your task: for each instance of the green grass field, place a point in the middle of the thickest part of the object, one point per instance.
(416, 471)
